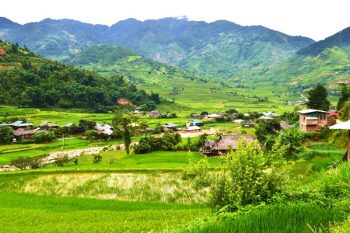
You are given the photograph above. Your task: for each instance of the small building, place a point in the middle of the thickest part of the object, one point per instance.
(170, 126)
(248, 124)
(193, 129)
(270, 114)
(21, 133)
(105, 129)
(194, 122)
(196, 115)
(266, 118)
(224, 144)
(284, 125)
(214, 116)
(154, 114)
(20, 124)
(238, 121)
(312, 120)
(48, 124)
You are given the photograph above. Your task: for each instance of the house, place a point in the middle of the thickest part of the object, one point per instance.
(193, 129)
(224, 144)
(154, 114)
(312, 120)
(194, 122)
(238, 121)
(196, 115)
(284, 125)
(21, 133)
(48, 124)
(248, 124)
(105, 129)
(213, 116)
(266, 118)
(170, 126)
(270, 114)
(20, 124)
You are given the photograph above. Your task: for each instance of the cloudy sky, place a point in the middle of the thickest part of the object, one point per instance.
(316, 19)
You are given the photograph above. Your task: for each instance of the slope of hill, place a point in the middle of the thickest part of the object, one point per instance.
(29, 80)
(326, 62)
(220, 49)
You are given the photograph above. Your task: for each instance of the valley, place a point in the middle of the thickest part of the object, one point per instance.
(171, 125)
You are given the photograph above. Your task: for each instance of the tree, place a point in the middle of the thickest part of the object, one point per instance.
(345, 96)
(122, 121)
(292, 139)
(318, 98)
(251, 176)
(345, 111)
(6, 134)
(266, 132)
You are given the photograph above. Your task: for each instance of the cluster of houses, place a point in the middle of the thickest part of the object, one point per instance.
(193, 125)
(27, 130)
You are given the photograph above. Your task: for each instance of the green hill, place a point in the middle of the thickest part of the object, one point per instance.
(326, 62)
(29, 80)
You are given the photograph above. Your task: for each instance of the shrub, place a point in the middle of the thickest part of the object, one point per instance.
(250, 177)
(292, 139)
(61, 160)
(167, 142)
(28, 162)
(44, 137)
(97, 158)
(6, 134)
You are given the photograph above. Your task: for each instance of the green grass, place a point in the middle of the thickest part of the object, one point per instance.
(13, 151)
(60, 116)
(30, 213)
(315, 158)
(286, 218)
(118, 160)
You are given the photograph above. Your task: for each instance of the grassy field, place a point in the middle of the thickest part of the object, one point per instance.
(13, 151)
(286, 218)
(60, 116)
(30, 213)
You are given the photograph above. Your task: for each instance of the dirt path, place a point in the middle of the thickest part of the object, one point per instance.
(53, 156)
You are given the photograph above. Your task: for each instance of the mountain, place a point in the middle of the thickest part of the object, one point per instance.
(111, 59)
(326, 62)
(220, 49)
(29, 80)
(7, 24)
(340, 39)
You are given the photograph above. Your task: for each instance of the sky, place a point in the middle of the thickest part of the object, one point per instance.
(316, 19)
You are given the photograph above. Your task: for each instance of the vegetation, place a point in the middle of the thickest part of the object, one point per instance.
(318, 98)
(39, 84)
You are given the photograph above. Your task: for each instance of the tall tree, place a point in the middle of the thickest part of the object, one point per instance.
(122, 121)
(345, 96)
(318, 98)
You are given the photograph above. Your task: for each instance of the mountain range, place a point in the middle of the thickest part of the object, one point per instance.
(220, 49)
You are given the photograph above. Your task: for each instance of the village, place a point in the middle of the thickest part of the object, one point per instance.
(217, 141)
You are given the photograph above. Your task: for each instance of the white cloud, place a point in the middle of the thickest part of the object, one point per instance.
(313, 18)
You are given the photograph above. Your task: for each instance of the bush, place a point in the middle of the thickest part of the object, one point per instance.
(292, 138)
(97, 158)
(61, 160)
(44, 137)
(167, 142)
(6, 134)
(28, 162)
(250, 177)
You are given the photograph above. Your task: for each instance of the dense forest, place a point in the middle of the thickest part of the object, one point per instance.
(31, 81)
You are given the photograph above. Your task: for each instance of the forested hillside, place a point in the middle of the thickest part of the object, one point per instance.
(29, 80)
